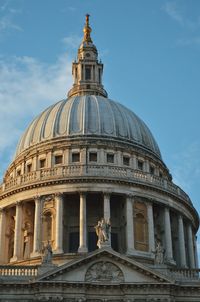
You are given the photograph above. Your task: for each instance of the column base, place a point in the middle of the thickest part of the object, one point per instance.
(35, 254)
(82, 249)
(106, 244)
(58, 251)
(14, 259)
(170, 261)
(130, 251)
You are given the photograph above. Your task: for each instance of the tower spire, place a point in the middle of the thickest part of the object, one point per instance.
(87, 71)
(87, 30)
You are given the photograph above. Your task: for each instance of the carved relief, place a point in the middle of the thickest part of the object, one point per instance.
(104, 271)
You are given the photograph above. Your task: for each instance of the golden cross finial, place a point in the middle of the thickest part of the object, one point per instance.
(87, 30)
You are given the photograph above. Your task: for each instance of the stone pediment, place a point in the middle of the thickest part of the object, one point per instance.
(104, 266)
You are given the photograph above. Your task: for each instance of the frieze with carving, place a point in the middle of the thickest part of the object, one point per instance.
(104, 271)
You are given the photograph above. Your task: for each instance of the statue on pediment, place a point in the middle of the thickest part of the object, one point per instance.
(47, 254)
(103, 231)
(159, 253)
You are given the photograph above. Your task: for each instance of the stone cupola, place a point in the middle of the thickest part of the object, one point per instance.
(87, 71)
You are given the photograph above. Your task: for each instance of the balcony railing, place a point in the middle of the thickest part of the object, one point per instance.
(185, 274)
(73, 171)
(18, 271)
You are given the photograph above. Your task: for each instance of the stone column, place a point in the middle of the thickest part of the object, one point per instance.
(190, 246)
(168, 236)
(106, 215)
(83, 225)
(196, 253)
(150, 227)
(59, 224)
(2, 235)
(181, 241)
(129, 225)
(37, 228)
(106, 206)
(17, 254)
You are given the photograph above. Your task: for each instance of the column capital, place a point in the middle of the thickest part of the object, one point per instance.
(150, 201)
(47, 197)
(107, 192)
(180, 216)
(58, 195)
(130, 195)
(2, 210)
(37, 198)
(82, 192)
(18, 203)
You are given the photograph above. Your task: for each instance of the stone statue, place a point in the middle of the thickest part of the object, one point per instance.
(27, 238)
(159, 253)
(47, 254)
(103, 231)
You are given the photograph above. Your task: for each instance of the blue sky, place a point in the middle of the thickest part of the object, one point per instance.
(151, 56)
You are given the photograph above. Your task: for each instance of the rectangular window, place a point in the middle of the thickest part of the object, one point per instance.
(93, 156)
(160, 174)
(140, 165)
(29, 168)
(58, 159)
(110, 158)
(75, 157)
(18, 172)
(87, 72)
(126, 160)
(42, 163)
(152, 170)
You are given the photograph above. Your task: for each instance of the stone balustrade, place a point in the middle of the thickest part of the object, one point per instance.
(184, 273)
(18, 271)
(94, 171)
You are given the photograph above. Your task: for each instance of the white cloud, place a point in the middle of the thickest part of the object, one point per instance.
(189, 41)
(27, 87)
(172, 9)
(7, 23)
(72, 41)
(7, 16)
(179, 13)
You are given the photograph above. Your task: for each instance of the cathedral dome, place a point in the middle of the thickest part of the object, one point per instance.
(89, 116)
(86, 163)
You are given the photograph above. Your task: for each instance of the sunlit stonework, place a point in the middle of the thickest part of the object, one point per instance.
(89, 211)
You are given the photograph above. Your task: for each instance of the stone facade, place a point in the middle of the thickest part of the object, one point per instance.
(64, 179)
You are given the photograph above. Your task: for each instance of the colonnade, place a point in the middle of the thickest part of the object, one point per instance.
(186, 250)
